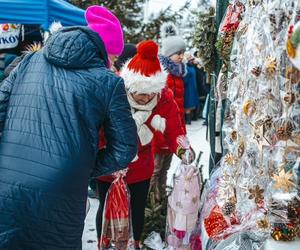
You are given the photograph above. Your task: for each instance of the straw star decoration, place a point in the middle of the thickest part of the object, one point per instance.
(263, 224)
(271, 66)
(256, 193)
(283, 180)
(230, 159)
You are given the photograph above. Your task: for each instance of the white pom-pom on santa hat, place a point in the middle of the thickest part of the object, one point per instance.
(158, 123)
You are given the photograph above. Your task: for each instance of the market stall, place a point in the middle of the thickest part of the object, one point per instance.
(252, 198)
(42, 12)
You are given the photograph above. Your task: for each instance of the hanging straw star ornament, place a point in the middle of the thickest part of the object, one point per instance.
(256, 193)
(230, 159)
(271, 66)
(283, 180)
(263, 224)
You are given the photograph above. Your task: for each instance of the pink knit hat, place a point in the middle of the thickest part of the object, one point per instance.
(108, 26)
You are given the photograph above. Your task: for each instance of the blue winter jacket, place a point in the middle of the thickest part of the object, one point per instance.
(191, 99)
(51, 109)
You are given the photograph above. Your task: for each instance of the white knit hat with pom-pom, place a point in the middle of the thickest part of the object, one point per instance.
(171, 43)
(54, 27)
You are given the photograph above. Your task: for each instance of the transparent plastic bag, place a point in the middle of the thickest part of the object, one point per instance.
(284, 200)
(183, 206)
(116, 226)
(154, 241)
(261, 126)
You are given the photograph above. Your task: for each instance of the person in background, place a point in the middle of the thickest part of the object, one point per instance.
(191, 100)
(153, 109)
(203, 88)
(52, 106)
(32, 42)
(128, 52)
(10, 35)
(172, 54)
(5, 61)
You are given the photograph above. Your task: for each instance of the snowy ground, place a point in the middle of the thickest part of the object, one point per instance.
(197, 135)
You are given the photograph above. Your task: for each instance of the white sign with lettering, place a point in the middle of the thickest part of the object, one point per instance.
(9, 35)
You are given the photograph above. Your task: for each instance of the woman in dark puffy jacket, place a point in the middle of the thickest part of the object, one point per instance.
(51, 109)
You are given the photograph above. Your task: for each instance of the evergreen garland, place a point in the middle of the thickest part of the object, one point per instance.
(204, 38)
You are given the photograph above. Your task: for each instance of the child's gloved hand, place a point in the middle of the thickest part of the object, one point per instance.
(184, 151)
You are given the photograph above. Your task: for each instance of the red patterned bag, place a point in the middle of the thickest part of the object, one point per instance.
(116, 228)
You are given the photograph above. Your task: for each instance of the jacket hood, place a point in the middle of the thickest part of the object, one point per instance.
(75, 47)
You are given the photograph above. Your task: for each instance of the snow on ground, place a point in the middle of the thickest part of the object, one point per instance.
(197, 137)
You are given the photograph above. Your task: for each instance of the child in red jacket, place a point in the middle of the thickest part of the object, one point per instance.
(172, 54)
(153, 109)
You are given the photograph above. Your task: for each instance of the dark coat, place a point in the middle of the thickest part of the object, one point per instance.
(51, 108)
(191, 100)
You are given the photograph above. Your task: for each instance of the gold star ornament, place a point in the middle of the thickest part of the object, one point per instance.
(283, 180)
(230, 159)
(263, 224)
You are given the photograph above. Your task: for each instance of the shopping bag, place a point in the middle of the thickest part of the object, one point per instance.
(116, 227)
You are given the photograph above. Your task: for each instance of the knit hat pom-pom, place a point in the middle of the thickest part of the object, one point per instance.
(148, 50)
(146, 60)
(168, 29)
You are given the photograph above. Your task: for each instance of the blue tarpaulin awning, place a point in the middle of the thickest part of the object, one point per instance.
(42, 12)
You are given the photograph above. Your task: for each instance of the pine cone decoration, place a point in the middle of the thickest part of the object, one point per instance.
(224, 45)
(284, 132)
(290, 98)
(228, 208)
(256, 71)
(233, 135)
(293, 74)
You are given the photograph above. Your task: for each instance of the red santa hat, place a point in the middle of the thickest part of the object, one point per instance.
(144, 74)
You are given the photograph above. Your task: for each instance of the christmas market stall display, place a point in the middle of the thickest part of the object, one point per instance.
(22, 23)
(9, 35)
(9, 40)
(116, 228)
(252, 199)
(42, 12)
(226, 35)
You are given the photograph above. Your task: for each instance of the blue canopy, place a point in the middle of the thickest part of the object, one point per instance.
(42, 12)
